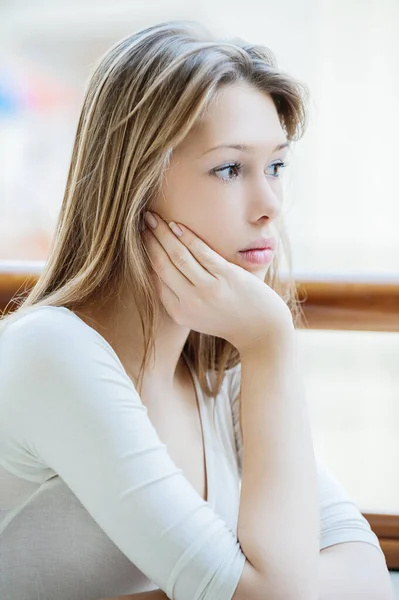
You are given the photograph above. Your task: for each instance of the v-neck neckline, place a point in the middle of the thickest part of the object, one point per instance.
(205, 432)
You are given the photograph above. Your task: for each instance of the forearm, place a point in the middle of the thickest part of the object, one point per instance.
(278, 523)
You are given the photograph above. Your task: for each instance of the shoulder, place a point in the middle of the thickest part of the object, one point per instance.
(48, 329)
(57, 369)
(52, 341)
(37, 321)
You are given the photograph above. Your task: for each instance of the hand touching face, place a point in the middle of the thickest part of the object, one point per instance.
(202, 291)
(229, 197)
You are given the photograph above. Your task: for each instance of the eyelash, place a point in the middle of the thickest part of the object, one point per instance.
(238, 166)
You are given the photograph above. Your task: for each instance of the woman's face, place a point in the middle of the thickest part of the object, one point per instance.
(227, 205)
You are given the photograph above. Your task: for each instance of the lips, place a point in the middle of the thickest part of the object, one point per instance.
(261, 244)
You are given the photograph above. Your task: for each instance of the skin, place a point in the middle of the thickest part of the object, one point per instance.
(249, 200)
(250, 206)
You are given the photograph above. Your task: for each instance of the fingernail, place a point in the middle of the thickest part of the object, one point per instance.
(150, 220)
(175, 228)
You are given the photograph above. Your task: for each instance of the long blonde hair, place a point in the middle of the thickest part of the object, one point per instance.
(143, 97)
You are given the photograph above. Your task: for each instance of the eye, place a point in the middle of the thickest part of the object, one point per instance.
(236, 167)
(278, 165)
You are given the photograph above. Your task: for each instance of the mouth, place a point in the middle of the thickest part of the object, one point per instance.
(258, 256)
(261, 243)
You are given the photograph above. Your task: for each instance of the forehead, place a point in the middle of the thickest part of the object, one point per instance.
(239, 114)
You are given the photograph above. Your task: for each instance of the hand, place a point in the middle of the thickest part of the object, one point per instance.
(204, 292)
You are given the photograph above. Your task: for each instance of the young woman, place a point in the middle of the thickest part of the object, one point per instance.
(154, 436)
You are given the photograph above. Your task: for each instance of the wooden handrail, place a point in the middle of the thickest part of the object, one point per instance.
(328, 302)
(350, 302)
(16, 278)
(386, 528)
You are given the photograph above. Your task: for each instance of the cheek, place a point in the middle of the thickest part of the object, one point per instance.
(220, 237)
(208, 215)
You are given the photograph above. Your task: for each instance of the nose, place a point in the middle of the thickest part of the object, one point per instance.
(266, 201)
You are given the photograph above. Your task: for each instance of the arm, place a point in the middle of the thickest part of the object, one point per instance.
(354, 571)
(347, 562)
(278, 524)
(279, 533)
(352, 563)
(267, 525)
(88, 425)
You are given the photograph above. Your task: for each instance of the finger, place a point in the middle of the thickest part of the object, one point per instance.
(198, 261)
(164, 268)
(181, 261)
(213, 262)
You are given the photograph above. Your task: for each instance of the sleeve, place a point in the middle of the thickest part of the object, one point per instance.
(67, 398)
(340, 518)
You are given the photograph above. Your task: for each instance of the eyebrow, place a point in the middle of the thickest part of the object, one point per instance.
(245, 147)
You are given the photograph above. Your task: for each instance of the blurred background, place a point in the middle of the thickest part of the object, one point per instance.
(342, 187)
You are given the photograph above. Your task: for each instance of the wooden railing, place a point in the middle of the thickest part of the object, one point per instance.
(328, 302)
(349, 302)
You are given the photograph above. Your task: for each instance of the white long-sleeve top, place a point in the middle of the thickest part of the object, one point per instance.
(91, 503)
